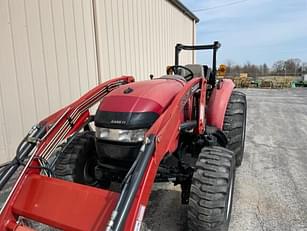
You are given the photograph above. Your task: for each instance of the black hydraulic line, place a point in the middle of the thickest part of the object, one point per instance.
(23, 151)
(25, 147)
(131, 186)
(2, 166)
(71, 138)
(128, 175)
(188, 125)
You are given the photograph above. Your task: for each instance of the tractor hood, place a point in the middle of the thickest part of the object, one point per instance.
(137, 105)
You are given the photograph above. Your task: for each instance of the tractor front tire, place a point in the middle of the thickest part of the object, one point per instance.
(235, 124)
(211, 193)
(76, 162)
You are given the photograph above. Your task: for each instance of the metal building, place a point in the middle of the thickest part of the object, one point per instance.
(52, 51)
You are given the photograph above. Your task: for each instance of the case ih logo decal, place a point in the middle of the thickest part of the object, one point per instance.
(118, 122)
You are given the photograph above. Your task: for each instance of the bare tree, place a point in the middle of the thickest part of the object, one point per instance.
(293, 66)
(278, 67)
(265, 69)
(229, 65)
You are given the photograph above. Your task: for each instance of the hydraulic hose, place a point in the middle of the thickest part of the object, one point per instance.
(23, 151)
(131, 186)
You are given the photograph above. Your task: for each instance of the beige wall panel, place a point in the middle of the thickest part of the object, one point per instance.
(81, 45)
(49, 49)
(11, 124)
(3, 141)
(138, 37)
(141, 39)
(59, 46)
(47, 59)
(48, 52)
(126, 38)
(71, 46)
(120, 38)
(22, 61)
(37, 58)
(147, 22)
(134, 60)
(89, 35)
(112, 50)
(101, 32)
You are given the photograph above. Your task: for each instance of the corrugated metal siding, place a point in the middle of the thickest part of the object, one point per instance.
(47, 59)
(48, 52)
(138, 37)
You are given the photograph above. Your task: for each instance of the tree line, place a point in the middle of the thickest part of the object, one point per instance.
(289, 67)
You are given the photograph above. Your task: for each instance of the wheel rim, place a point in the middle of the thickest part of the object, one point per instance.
(229, 200)
(243, 131)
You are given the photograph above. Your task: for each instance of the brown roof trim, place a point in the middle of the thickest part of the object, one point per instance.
(184, 9)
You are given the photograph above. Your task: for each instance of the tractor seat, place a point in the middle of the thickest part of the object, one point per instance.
(207, 71)
(197, 69)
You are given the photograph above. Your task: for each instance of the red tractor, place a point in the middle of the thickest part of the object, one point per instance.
(76, 171)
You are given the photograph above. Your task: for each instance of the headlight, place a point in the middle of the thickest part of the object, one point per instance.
(136, 135)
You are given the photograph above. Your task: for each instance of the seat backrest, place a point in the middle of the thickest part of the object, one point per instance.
(179, 77)
(197, 69)
(206, 71)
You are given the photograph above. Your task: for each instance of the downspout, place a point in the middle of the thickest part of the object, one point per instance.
(96, 36)
(193, 40)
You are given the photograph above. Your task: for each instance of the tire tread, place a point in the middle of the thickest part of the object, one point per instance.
(234, 123)
(210, 188)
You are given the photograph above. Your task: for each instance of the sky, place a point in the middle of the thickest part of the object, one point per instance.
(255, 31)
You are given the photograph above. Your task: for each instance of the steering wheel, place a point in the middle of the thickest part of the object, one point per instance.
(175, 69)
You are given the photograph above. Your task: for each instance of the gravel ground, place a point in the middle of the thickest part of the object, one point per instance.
(271, 185)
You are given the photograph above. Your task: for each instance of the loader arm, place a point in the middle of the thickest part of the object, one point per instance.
(56, 127)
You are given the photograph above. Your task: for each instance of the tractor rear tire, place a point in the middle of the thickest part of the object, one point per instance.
(76, 162)
(211, 193)
(235, 124)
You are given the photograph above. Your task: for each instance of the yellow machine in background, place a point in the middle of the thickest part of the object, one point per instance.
(221, 72)
(242, 80)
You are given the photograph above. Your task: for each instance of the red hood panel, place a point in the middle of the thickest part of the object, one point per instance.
(143, 96)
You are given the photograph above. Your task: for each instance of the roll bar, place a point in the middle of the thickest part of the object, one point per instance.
(215, 46)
